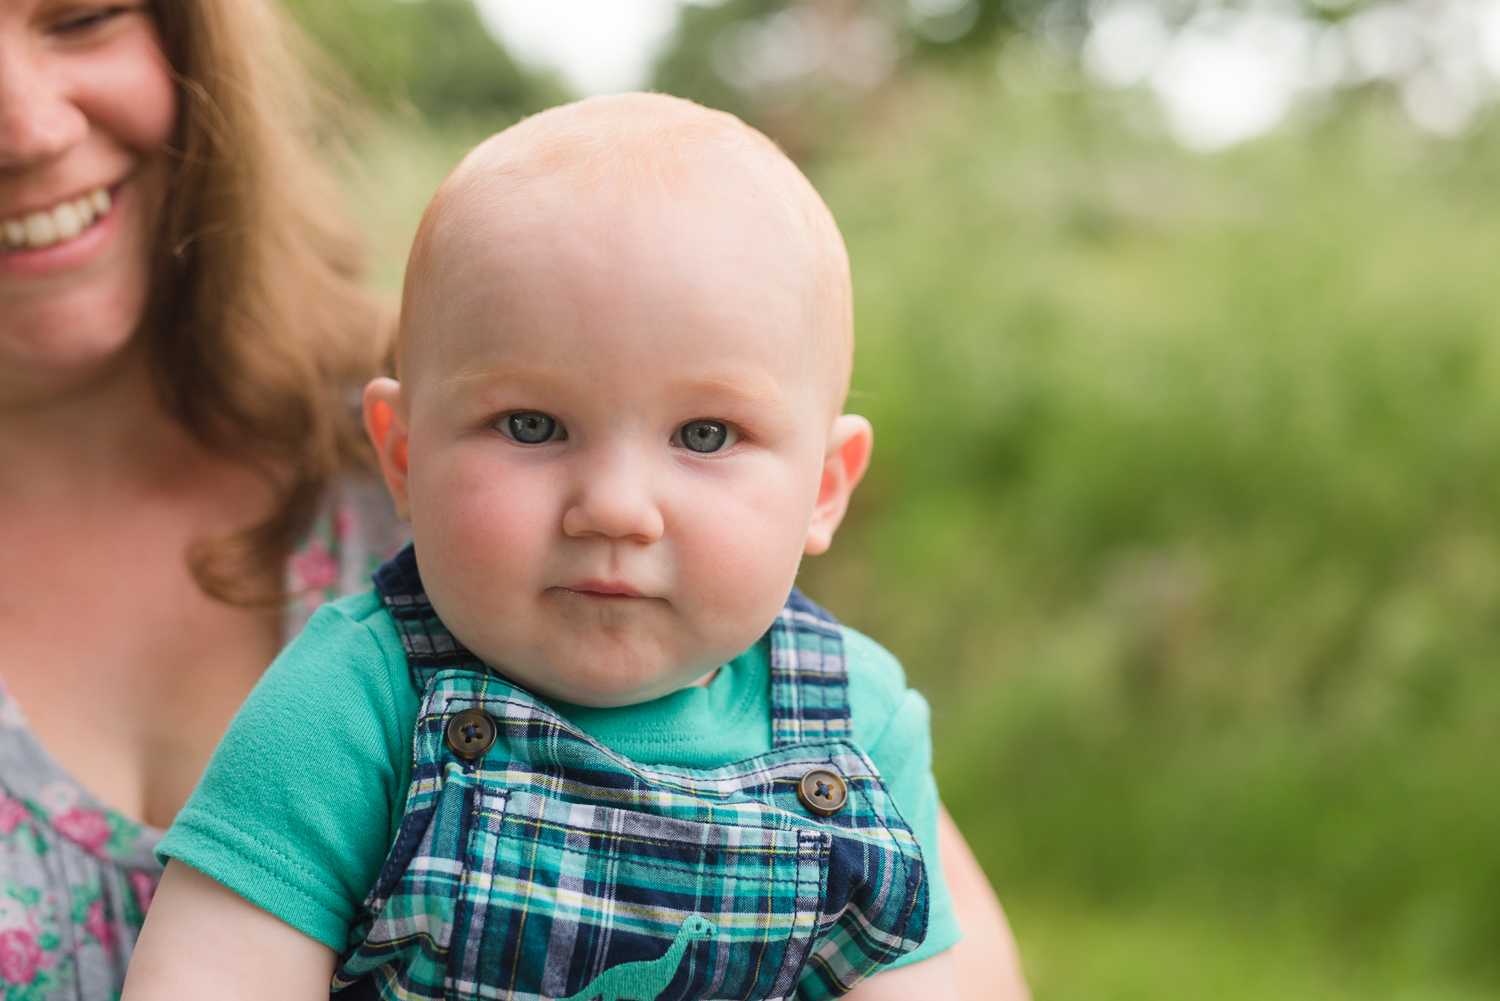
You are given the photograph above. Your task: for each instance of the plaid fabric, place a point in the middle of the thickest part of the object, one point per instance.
(809, 681)
(554, 866)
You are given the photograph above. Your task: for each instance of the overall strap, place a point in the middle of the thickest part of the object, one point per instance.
(809, 678)
(429, 646)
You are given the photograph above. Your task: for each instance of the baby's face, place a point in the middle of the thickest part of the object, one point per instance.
(619, 441)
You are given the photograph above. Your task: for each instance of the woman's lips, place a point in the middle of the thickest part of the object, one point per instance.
(28, 262)
(55, 224)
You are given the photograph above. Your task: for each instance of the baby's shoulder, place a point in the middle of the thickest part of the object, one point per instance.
(348, 641)
(870, 663)
(363, 608)
(355, 624)
(878, 694)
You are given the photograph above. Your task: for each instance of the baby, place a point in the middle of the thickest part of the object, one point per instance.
(584, 739)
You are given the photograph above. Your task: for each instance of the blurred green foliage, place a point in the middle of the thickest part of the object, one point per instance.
(1185, 512)
(686, 66)
(434, 56)
(799, 69)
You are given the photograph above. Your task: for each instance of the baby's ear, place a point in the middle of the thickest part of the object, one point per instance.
(386, 427)
(848, 456)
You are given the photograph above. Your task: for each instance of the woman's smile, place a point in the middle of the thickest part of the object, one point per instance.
(61, 237)
(59, 223)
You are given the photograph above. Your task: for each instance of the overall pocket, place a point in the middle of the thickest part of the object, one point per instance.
(556, 895)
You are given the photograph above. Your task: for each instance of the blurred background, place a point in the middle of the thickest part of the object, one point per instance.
(1179, 326)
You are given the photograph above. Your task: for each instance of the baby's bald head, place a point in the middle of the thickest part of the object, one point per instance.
(617, 175)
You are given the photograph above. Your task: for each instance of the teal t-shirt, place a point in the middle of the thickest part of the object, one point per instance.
(303, 798)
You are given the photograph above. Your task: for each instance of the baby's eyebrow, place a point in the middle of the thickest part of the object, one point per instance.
(752, 389)
(489, 374)
(757, 391)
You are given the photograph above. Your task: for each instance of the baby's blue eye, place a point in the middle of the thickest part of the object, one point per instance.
(706, 436)
(531, 427)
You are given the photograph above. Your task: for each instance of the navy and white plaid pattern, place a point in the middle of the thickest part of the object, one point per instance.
(529, 873)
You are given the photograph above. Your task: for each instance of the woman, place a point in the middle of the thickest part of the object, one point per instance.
(179, 318)
(180, 324)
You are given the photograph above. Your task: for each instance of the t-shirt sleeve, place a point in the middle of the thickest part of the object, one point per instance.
(893, 725)
(296, 807)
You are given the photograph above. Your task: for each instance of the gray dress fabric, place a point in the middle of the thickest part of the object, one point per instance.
(76, 876)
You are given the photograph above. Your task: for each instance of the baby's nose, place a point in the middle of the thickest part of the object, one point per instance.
(615, 502)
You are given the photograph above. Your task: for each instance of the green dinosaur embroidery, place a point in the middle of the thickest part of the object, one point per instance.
(644, 979)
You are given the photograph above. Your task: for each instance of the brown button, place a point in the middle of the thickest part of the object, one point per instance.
(823, 792)
(471, 733)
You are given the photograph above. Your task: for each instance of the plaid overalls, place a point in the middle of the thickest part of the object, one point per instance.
(548, 866)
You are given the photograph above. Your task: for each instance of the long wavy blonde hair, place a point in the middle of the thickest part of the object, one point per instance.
(257, 325)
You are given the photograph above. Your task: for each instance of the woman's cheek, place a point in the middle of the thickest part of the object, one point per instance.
(130, 91)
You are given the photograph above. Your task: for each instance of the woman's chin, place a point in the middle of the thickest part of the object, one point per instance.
(64, 327)
(57, 351)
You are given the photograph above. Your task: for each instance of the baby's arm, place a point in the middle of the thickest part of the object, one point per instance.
(203, 940)
(931, 979)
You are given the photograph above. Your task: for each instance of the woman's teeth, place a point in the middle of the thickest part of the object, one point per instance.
(56, 225)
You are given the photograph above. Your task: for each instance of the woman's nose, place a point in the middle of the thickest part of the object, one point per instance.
(38, 120)
(614, 501)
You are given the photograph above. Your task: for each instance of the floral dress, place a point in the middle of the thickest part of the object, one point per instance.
(76, 876)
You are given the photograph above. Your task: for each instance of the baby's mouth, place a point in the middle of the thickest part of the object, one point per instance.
(603, 590)
(64, 221)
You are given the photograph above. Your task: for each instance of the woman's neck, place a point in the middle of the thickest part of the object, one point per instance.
(102, 497)
(109, 429)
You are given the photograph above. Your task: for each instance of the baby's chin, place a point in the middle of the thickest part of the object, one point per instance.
(605, 680)
(606, 693)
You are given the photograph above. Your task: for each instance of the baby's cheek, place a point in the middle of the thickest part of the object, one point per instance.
(486, 520)
(740, 562)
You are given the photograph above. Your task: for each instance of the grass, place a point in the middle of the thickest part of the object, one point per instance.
(1185, 514)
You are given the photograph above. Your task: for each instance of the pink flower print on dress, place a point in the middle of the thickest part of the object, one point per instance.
(13, 912)
(144, 887)
(313, 569)
(20, 957)
(60, 796)
(88, 828)
(95, 924)
(12, 813)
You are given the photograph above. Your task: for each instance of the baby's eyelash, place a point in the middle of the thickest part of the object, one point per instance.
(530, 427)
(706, 435)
